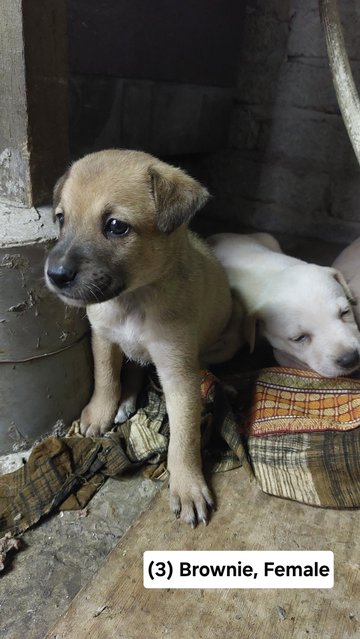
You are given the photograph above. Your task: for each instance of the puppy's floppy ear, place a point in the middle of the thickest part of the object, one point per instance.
(58, 188)
(341, 279)
(177, 196)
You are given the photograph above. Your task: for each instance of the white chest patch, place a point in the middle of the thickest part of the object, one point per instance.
(128, 329)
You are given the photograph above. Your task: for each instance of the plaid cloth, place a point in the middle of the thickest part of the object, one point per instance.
(298, 431)
(289, 400)
(66, 472)
(302, 435)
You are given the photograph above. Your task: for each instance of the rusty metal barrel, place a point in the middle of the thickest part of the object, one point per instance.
(45, 355)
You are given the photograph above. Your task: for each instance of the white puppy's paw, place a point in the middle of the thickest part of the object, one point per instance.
(96, 418)
(190, 499)
(126, 410)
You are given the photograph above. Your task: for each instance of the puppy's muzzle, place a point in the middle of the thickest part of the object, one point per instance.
(80, 281)
(61, 275)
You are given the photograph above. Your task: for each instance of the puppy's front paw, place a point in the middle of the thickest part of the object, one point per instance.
(190, 499)
(96, 418)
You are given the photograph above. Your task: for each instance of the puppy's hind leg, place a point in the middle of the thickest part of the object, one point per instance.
(132, 380)
(230, 340)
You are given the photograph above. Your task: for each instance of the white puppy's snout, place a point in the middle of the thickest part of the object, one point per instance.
(349, 359)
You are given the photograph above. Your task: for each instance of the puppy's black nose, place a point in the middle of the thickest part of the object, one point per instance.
(61, 275)
(349, 359)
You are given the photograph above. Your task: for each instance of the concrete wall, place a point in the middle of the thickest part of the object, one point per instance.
(289, 166)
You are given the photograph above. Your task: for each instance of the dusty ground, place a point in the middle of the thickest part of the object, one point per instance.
(61, 554)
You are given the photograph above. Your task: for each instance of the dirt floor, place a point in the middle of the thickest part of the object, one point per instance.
(115, 605)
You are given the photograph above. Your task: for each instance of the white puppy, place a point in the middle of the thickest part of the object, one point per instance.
(302, 309)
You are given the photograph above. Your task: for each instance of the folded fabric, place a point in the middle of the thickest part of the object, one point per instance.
(302, 435)
(66, 472)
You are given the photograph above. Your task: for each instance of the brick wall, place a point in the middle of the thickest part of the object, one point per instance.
(290, 165)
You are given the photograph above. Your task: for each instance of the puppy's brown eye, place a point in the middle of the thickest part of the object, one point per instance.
(114, 227)
(60, 218)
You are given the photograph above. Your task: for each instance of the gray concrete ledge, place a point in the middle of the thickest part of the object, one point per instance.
(21, 225)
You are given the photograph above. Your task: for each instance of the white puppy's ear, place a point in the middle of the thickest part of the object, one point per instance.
(250, 323)
(177, 196)
(341, 279)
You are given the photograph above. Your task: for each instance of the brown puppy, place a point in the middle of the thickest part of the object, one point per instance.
(153, 291)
